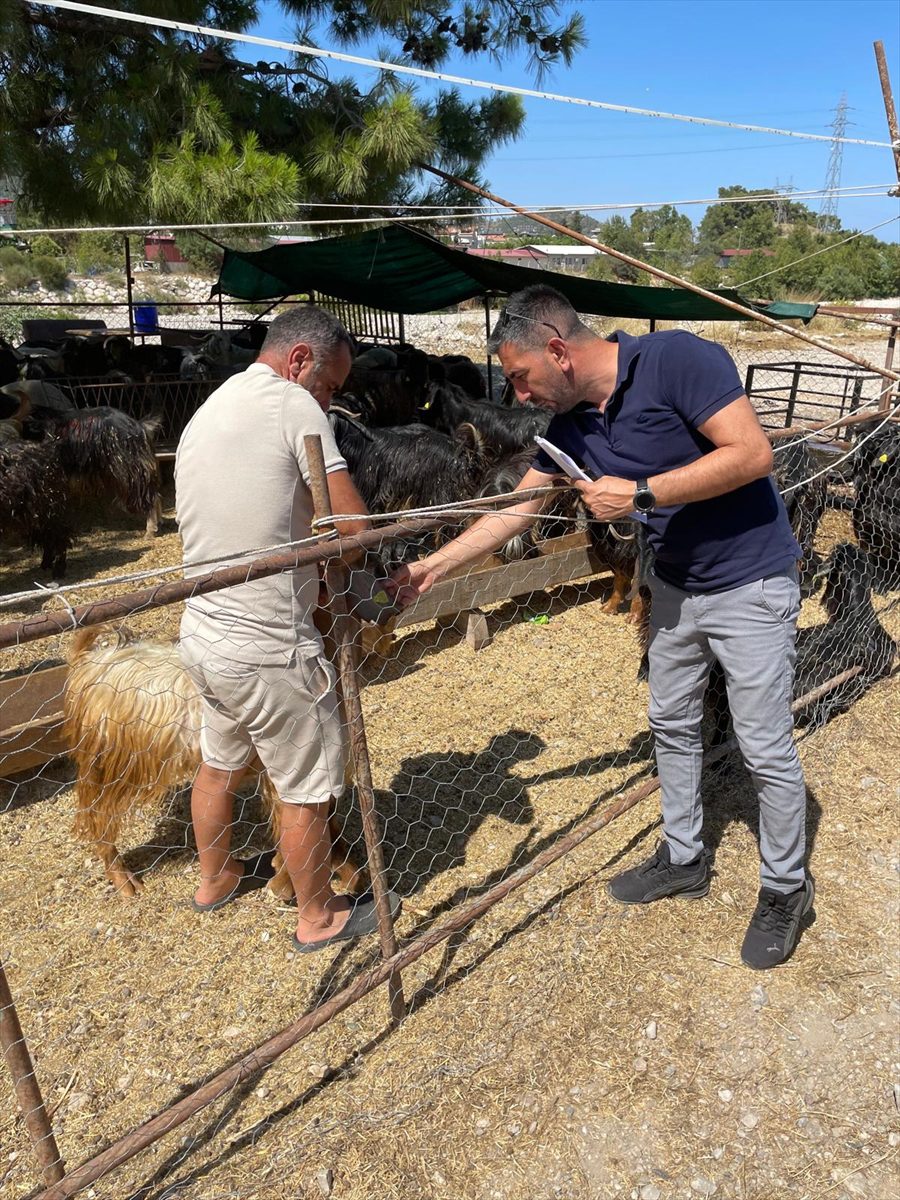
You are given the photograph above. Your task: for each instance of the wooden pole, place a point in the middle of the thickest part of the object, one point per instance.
(661, 274)
(853, 419)
(129, 286)
(263, 1055)
(487, 335)
(25, 1084)
(41, 625)
(345, 634)
(889, 109)
(884, 400)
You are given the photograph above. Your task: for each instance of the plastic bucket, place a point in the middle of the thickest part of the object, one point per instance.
(146, 318)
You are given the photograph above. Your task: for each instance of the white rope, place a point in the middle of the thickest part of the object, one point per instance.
(756, 278)
(855, 192)
(43, 590)
(422, 73)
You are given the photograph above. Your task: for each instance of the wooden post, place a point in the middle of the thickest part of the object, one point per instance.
(28, 1094)
(487, 335)
(129, 287)
(345, 628)
(792, 395)
(884, 400)
(838, 351)
(889, 110)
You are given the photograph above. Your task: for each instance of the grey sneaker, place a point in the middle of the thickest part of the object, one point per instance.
(659, 877)
(773, 929)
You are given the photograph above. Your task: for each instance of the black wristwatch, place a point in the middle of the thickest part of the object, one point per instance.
(644, 500)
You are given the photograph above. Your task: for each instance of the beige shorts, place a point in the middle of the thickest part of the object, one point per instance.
(288, 714)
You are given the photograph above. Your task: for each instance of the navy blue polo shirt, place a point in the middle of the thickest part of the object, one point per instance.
(668, 384)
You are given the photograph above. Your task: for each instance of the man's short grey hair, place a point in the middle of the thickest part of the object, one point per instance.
(533, 316)
(321, 330)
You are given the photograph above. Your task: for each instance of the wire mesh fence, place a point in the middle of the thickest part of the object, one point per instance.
(471, 773)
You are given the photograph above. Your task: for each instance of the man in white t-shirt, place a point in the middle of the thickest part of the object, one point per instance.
(242, 484)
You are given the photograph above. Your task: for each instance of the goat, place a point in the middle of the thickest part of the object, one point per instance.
(876, 509)
(503, 431)
(34, 500)
(852, 636)
(795, 465)
(105, 452)
(132, 722)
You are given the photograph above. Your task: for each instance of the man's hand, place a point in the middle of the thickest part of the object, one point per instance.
(608, 498)
(410, 581)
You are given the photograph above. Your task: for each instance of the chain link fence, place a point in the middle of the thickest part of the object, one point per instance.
(472, 779)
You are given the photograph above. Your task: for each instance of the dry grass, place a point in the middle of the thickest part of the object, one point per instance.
(525, 1070)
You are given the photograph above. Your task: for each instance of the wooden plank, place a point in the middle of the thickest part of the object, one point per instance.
(32, 745)
(32, 696)
(487, 587)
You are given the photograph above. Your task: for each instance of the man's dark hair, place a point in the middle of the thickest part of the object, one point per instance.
(533, 316)
(322, 331)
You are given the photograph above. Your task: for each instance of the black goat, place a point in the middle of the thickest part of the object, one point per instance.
(104, 454)
(851, 637)
(876, 510)
(34, 501)
(795, 467)
(504, 431)
(409, 466)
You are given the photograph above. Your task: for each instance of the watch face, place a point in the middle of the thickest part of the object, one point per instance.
(643, 500)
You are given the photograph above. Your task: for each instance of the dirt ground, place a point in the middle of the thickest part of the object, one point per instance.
(562, 1045)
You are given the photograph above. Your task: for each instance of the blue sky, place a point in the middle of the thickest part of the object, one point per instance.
(781, 63)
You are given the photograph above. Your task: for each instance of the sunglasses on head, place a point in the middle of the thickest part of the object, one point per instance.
(522, 317)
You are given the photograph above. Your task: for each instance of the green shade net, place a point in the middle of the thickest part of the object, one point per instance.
(400, 269)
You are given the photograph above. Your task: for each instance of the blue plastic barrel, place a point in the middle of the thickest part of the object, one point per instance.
(146, 318)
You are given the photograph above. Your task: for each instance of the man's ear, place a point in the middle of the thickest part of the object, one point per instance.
(297, 359)
(558, 350)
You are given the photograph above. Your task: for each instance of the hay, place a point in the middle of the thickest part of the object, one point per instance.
(525, 1069)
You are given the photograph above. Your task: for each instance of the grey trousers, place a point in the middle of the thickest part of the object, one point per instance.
(751, 630)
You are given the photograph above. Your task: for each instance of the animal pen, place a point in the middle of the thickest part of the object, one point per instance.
(444, 718)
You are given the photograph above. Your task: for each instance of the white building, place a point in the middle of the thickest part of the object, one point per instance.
(574, 259)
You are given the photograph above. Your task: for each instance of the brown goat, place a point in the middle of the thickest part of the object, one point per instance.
(132, 721)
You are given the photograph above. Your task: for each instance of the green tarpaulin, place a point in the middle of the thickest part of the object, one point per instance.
(400, 269)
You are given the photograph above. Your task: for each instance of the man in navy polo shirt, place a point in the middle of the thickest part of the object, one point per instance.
(661, 423)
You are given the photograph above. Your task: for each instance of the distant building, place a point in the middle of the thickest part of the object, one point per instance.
(519, 256)
(574, 259)
(727, 257)
(162, 248)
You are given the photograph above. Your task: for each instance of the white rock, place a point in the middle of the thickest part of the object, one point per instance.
(759, 996)
(726, 1095)
(232, 1031)
(704, 1187)
(749, 1120)
(650, 1192)
(651, 1031)
(640, 1064)
(325, 1180)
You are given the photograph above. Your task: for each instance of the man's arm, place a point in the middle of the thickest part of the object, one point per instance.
(743, 453)
(346, 499)
(488, 534)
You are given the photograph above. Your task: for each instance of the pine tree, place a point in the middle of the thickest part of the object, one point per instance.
(102, 120)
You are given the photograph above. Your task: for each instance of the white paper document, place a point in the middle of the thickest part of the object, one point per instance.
(567, 465)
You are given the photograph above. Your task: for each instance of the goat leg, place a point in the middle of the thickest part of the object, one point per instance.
(621, 588)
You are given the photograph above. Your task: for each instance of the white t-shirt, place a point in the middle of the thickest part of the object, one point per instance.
(241, 484)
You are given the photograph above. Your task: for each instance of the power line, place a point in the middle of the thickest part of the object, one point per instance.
(459, 213)
(420, 72)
